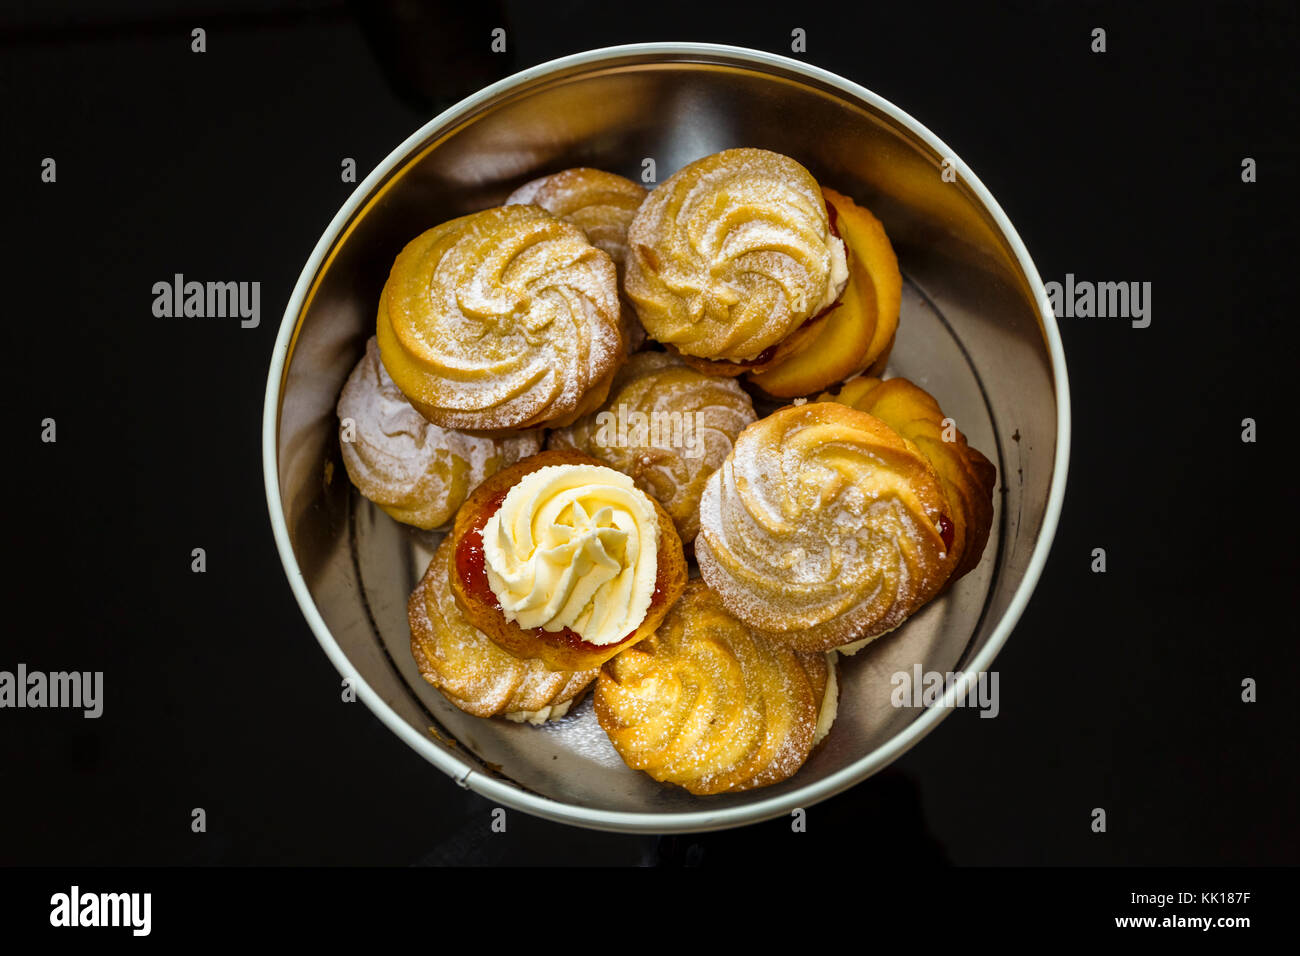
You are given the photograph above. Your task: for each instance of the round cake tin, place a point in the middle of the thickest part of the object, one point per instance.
(977, 331)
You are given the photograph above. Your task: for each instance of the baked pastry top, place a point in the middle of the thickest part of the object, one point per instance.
(505, 318)
(667, 426)
(857, 333)
(708, 704)
(562, 559)
(471, 671)
(823, 526)
(602, 205)
(732, 254)
(968, 478)
(417, 472)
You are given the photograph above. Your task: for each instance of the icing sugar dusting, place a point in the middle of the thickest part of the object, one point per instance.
(731, 254)
(505, 318)
(817, 528)
(708, 704)
(471, 671)
(668, 427)
(415, 470)
(602, 205)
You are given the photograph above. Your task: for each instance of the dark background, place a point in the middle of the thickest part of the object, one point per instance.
(1119, 690)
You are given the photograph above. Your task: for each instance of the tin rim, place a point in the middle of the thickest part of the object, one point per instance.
(761, 809)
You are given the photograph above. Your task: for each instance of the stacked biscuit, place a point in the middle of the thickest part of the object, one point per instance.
(629, 334)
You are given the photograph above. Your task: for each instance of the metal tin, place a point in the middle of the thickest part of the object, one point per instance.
(977, 331)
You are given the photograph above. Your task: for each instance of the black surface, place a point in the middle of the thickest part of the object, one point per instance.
(1119, 690)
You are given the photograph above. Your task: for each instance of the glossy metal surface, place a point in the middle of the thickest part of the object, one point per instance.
(977, 332)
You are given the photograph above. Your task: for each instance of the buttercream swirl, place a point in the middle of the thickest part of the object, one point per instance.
(732, 253)
(574, 546)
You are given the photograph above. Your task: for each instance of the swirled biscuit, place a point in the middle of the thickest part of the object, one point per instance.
(823, 526)
(966, 475)
(506, 318)
(857, 334)
(416, 472)
(666, 425)
(731, 255)
(471, 671)
(602, 205)
(710, 705)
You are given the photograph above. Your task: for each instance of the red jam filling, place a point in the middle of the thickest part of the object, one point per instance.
(473, 575)
(946, 531)
(833, 217)
(762, 358)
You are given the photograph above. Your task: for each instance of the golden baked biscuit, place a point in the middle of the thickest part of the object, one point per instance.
(471, 671)
(666, 425)
(574, 556)
(710, 705)
(731, 256)
(823, 526)
(967, 476)
(857, 334)
(417, 472)
(506, 318)
(602, 205)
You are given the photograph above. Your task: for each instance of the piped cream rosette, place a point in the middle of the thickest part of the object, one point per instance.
(574, 546)
(562, 559)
